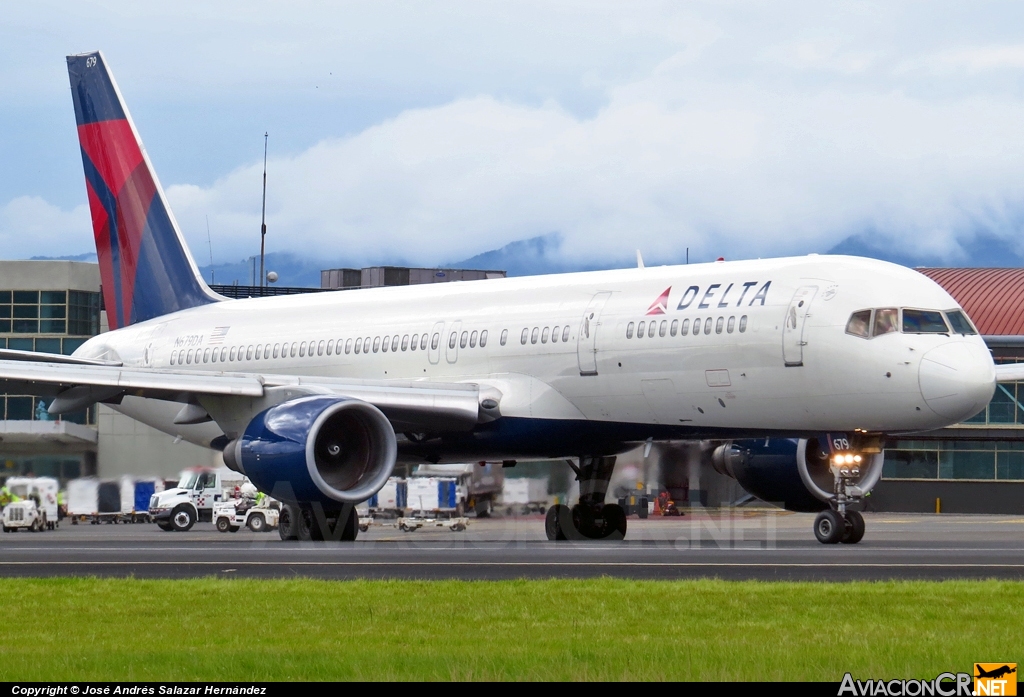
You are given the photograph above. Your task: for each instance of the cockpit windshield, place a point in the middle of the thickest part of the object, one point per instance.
(924, 322)
(961, 325)
(886, 320)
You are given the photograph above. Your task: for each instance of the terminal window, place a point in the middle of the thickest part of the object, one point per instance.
(49, 312)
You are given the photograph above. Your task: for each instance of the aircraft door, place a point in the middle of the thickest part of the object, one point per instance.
(586, 340)
(451, 345)
(434, 347)
(793, 331)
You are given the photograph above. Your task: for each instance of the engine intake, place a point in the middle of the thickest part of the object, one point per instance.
(334, 450)
(793, 473)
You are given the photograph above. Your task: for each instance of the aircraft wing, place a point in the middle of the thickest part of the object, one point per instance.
(1009, 372)
(410, 405)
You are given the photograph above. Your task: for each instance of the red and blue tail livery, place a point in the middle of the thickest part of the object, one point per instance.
(145, 267)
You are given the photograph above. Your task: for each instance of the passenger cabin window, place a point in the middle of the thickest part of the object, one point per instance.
(452, 339)
(959, 322)
(464, 339)
(405, 342)
(483, 338)
(544, 335)
(685, 328)
(674, 328)
(376, 344)
(423, 343)
(472, 339)
(641, 329)
(565, 333)
(924, 322)
(859, 323)
(434, 340)
(663, 328)
(534, 334)
(348, 346)
(320, 348)
(743, 324)
(886, 321)
(707, 326)
(629, 330)
(731, 325)
(330, 346)
(718, 325)
(650, 329)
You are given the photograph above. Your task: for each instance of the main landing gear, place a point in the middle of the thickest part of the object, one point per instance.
(591, 518)
(841, 522)
(311, 522)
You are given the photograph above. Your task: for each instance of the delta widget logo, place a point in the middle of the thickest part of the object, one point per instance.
(660, 306)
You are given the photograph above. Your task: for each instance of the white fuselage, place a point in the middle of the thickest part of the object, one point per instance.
(776, 357)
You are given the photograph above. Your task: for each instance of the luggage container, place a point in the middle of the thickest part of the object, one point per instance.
(390, 501)
(83, 499)
(135, 496)
(92, 500)
(432, 501)
(525, 495)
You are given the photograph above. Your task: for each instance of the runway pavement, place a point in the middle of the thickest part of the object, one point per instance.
(740, 544)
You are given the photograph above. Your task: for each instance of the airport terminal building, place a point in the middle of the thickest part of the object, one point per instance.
(54, 306)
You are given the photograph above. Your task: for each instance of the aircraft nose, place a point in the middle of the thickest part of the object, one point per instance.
(957, 379)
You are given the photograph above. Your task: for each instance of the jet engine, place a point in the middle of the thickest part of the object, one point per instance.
(333, 450)
(801, 474)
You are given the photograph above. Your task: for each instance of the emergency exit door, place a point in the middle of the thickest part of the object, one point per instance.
(793, 330)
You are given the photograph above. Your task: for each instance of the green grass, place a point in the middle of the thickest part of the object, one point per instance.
(215, 629)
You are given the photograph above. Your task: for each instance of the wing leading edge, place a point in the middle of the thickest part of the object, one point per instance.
(409, 405)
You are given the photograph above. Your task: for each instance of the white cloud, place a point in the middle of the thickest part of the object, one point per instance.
(971, 60)
(742, 129)
(29, 226)
(672, 161)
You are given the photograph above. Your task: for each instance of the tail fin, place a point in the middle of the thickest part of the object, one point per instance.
(145, 267)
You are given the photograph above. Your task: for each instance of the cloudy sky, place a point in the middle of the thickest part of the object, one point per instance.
(430, 132)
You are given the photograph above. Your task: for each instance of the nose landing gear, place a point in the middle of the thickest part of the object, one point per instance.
(842, 522)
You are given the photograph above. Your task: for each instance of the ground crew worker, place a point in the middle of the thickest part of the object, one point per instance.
(61, 507)
(260, 498)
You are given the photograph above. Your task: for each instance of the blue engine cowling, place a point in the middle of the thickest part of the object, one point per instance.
(789, 472)
(320, 448)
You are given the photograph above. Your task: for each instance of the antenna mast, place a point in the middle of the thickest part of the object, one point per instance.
(263, 217)
(210, 243)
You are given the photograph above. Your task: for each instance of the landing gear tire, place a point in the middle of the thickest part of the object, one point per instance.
(287, 524)
(829, 527)
(600, 522)
(182, 518)
(614, 522)
(351, 530)
(306, 528)
(558, 523)
(854, 531)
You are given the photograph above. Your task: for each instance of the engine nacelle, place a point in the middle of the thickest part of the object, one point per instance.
(795, 473)
(333, 450)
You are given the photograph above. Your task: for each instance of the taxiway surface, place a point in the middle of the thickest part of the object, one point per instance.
(741, 544)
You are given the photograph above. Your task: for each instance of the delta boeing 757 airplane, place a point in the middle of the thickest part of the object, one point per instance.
(799, 367)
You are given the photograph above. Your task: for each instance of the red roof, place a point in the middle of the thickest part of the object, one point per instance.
(993, 298)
